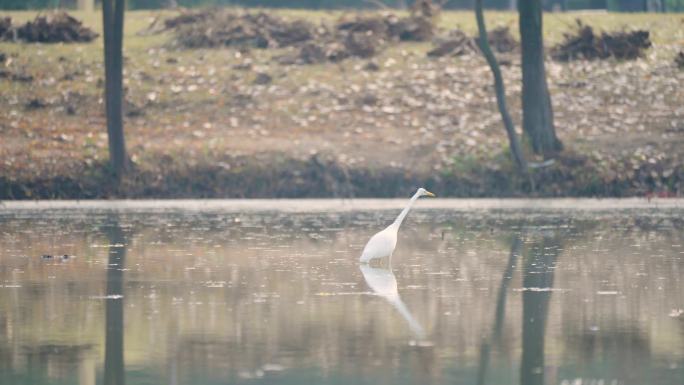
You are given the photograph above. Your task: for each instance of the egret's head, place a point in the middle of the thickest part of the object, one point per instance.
(425, 193)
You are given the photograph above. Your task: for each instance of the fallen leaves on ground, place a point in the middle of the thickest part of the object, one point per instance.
(399, 114)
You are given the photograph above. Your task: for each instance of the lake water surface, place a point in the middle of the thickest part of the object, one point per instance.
(270, 292)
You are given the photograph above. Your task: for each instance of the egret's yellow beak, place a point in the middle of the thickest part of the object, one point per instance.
(430, 194)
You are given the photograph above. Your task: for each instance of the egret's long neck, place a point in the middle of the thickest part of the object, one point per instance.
(402, 215)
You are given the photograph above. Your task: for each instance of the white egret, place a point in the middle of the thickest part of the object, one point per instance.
(382, 244)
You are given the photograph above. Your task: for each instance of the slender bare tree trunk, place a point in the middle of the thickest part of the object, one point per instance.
(536, 101)
(500, 90)
(113, 22)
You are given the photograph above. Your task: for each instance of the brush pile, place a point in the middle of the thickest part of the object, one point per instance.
(238, 29)
(186, 17)
(584, 44)
(501, 40)
(362, 36)
(679, 60)
(58, 27)
(388, 27)
(357, 36)
(456, 43)
(5, 28)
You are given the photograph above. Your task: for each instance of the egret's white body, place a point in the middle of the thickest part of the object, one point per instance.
(382, 244)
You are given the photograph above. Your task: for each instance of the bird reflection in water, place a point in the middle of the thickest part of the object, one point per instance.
(384, 284)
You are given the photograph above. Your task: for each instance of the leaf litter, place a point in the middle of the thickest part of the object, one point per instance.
(432, 116)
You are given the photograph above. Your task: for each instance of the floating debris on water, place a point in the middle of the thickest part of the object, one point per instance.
(421, 343)
(539, 289)
(111, 296)
(607, 292)
(216, 284)
(272, 368)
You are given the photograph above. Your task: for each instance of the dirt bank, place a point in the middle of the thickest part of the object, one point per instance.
(318, 177)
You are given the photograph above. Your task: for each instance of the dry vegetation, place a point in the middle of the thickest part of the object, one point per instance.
(241, 121)
(55, 27)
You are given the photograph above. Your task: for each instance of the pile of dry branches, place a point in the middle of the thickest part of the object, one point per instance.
(585, 44)
(356, 36)
(58, 27)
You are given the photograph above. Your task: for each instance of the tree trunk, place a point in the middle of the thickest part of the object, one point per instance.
(114, 309)
(538, 273)
(113, 22)
(500, 91)
(500, 312)
(536, 101)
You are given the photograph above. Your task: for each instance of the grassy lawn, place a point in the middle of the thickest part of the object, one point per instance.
(197, 115)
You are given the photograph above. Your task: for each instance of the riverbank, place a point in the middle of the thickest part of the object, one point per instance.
(230, 123)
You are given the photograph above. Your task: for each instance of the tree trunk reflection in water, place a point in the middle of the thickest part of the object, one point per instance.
(114, 333)
(538, 274)
(539, 262)
(500, 313)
